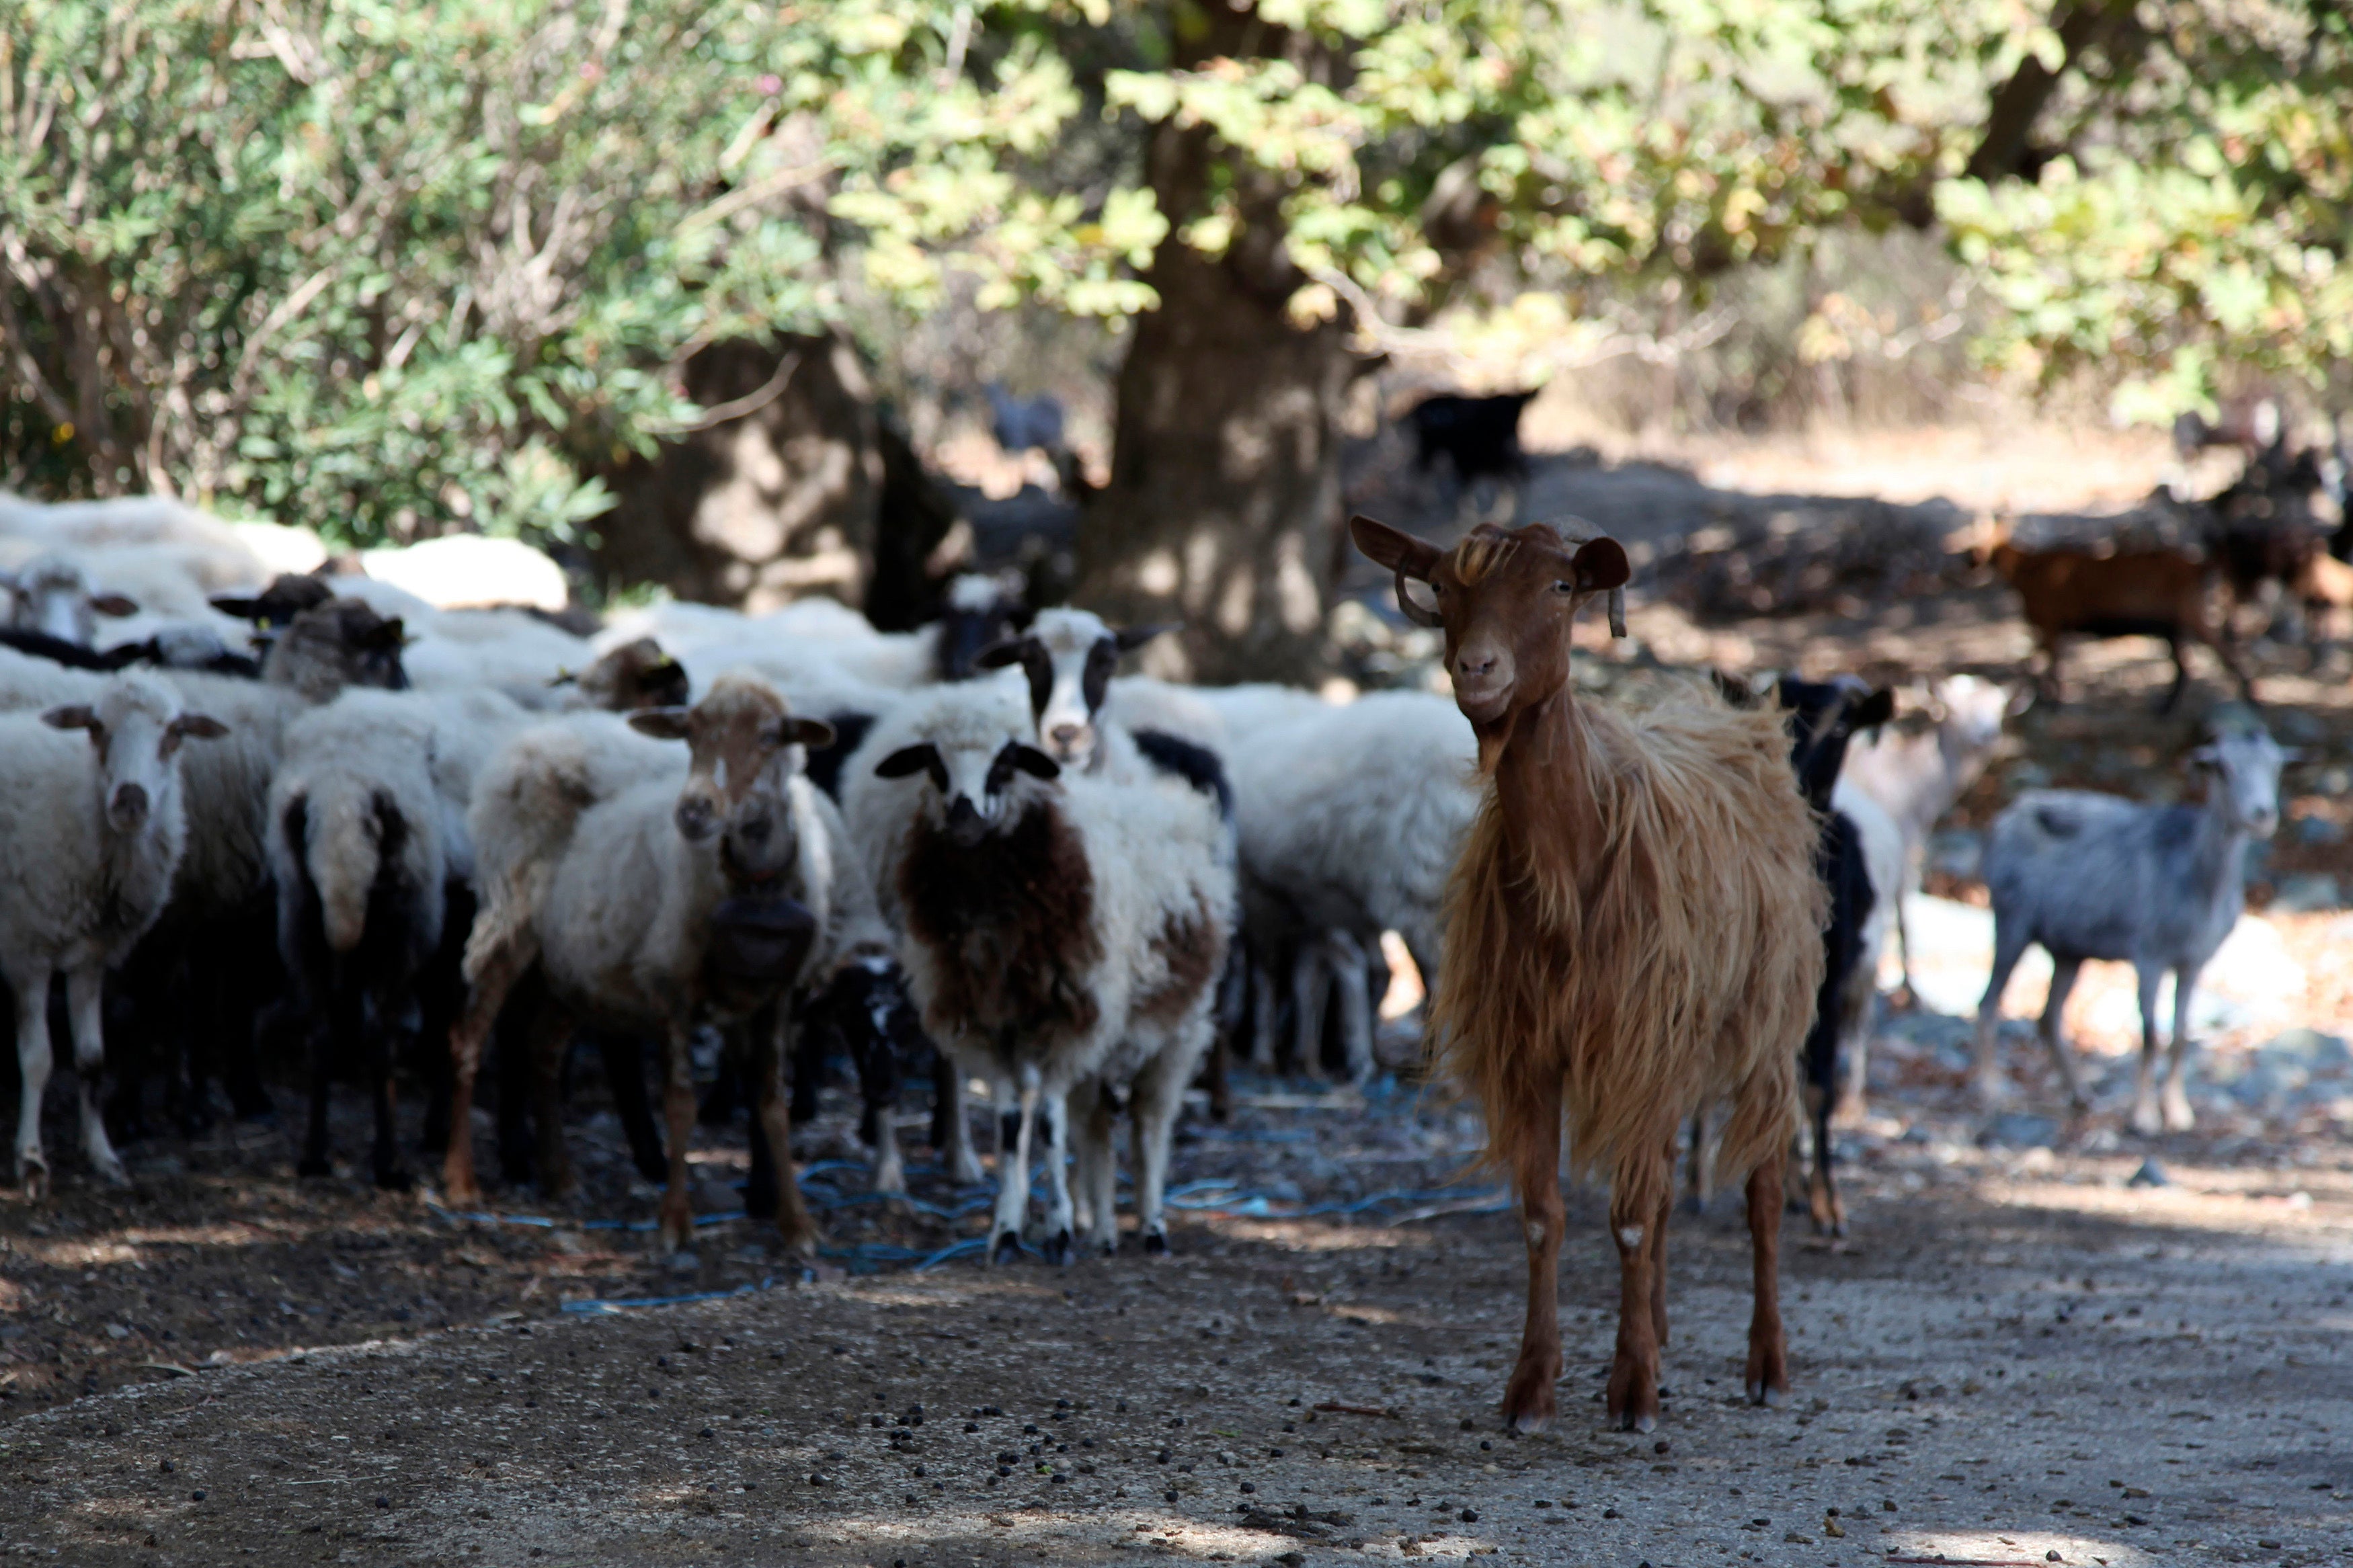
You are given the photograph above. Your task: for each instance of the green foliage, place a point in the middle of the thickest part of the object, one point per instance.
(2192, 246)
(388, 268)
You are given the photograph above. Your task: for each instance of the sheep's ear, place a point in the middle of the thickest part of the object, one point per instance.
(1032, 761)
(74, 716)
(997, 655)
(2020, 701)
(237, 606)
(1601, 563)
(918, 759)
(1393, 547)
(1874, 709)
(662, 723)
(814, 733)
(389, 634)
(115, 604)
(1130, 638)
(198, 726)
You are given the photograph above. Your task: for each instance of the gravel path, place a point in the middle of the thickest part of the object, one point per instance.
(2021, 1359)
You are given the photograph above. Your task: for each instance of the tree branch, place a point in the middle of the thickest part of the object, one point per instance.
(2018, 102)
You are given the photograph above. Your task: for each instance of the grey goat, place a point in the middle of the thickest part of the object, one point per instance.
(2158, 887)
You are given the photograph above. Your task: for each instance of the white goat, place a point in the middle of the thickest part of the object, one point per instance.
(91, 834)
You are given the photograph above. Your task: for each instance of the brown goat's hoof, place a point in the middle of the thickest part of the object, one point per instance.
(1766, 1395)
(1006, 1247)
(1529, 1401)
(1633, 1422)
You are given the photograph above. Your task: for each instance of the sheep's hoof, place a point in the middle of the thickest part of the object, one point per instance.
(110, 1172)
(314, 1165)
(395, 1181)
(2145, 1120)
(2176, 1105)
(1007, 1247)
(37, 1175)
(1156, 1244)
(1056, 1249)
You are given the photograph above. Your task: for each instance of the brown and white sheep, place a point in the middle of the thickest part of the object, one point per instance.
(1633, 930)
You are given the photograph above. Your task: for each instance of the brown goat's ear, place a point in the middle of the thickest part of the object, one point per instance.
(1601, 563)
(198, 726)
(74, 716)
(1393, 547)
(814, 733)
(1130, 638)
(662, 723)
(1874, 709)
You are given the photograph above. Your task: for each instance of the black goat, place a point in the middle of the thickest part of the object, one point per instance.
(1480, 436)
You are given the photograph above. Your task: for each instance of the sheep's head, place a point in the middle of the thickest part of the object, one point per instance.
(1970, 711)
(1069, 656)
(1506, 599)
(743, 742)
(982, 769)
(289, 594)
(2245, 767)
(52, 594)
(344, 642)
(136, 726)
(634, 675)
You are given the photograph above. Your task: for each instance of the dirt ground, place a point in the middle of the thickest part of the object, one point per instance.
(2022, 1355)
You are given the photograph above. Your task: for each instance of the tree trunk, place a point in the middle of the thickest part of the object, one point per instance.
(1223, 506)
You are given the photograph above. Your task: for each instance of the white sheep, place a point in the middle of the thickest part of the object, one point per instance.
(1062, 935)
(665, 907)
(1350, 818)
(91, 832)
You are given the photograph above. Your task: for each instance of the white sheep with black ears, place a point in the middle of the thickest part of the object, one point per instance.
(1062, 935)
(91, 830)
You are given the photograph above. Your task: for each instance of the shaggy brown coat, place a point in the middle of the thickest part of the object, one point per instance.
(1662, 956)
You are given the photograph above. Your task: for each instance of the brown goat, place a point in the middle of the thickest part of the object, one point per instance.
(2132, 593)
(1637, 923)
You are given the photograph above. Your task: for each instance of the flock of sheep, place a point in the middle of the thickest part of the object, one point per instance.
(463, 826)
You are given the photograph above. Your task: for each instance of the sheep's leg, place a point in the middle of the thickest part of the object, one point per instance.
(1310, 989)
(1056, 1243)
(1907, 996)
(678, 1112)
(877, 1086)
(1634, 1394)
(1090, 1106)
(1153, 1101)
(1013, 1175)
(1697, 1176)
(2054, 1031)
(772, 1051)
(2010, 944)
(84, 1002)
(1215, 1079)
(2146, 1120)
(951, 1127)
(2174, 1103)
(1103, 1195)
(1355, 1005)
(623, 1054)
(550, 1039)
(331, 1039)
(1769, 1352)
(1532, 1135)
(385, 1153)
(31, 984)
(1264, 1013)
(485, 997)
